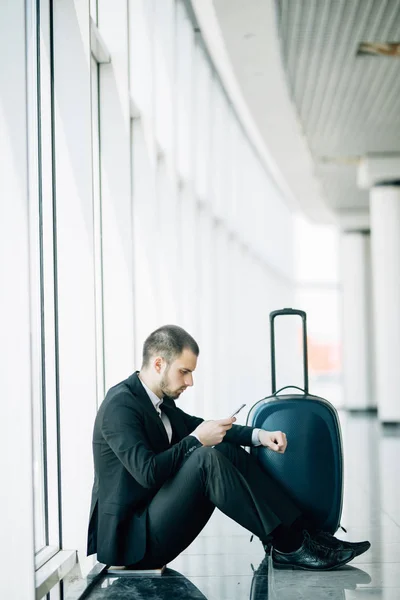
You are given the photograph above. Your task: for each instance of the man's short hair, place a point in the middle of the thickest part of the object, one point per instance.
(168, 341)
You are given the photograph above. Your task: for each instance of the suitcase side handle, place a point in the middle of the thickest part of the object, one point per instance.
(272, 316)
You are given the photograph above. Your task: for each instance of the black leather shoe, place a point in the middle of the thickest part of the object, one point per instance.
(311, 556)
(327, 539)
(267, 544)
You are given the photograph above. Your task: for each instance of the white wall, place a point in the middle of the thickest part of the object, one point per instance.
(16, 502)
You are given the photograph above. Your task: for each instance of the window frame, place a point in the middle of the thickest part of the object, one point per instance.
(44, 355)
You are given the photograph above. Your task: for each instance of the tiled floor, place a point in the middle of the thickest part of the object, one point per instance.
(222, 564)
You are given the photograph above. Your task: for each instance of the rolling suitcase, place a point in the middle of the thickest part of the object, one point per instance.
(311, 469)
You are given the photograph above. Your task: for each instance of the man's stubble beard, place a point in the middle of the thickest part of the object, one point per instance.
(164, 386)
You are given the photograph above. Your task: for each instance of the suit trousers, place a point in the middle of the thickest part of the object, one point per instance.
(226, 477)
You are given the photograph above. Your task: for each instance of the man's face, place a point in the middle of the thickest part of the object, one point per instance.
(177, 376)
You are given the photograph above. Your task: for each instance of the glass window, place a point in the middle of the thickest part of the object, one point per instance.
(223, 320)
(188, 251)
(184, 91)
(97, 230)
(219, 150)
(93, 10)
(207, 293)
(42, 293)
(201, 117)
(167, 247)
(146, 237)
(35, 234)
(224, 197)
(164, 96)
(237, 175)
(141, 59)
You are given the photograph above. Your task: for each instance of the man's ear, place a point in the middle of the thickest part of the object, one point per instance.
(158, 363)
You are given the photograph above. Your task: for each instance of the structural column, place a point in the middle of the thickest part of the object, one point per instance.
(381, 174)
(385, 246)
(356, 319)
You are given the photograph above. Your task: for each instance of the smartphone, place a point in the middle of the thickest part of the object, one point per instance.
(237, 411)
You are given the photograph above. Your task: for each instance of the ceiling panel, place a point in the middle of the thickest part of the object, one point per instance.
(348, 105)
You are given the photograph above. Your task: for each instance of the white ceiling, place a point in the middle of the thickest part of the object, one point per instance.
(338, 106)
(348, 105)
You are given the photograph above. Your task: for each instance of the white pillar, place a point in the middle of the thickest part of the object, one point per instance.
(115, 132)
(356, 320)
(385, 254)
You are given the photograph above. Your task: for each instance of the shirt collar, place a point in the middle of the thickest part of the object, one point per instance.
(156, 401)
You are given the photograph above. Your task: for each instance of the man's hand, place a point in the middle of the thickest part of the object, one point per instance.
(211, 433)
(275, 440)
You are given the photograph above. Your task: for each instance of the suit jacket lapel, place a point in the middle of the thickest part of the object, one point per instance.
(134, 384)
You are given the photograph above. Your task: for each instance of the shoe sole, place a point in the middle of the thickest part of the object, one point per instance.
(298, 568)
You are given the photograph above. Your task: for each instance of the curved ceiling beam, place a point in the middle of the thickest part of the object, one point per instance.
(243, 43)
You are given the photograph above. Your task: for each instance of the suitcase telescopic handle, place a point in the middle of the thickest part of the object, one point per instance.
(272, 317)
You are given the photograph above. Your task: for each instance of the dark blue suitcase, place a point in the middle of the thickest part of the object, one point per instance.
(311, 469)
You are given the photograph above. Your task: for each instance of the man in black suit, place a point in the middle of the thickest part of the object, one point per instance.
(160, 473)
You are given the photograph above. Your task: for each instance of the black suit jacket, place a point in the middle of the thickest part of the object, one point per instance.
(132, 460)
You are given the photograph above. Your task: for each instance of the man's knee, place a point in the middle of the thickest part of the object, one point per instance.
(218, 453)
(207, 456)
(205, 452)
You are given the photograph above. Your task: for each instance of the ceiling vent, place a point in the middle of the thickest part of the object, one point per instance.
(376, 49)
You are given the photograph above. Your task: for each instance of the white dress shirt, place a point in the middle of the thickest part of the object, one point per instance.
(156, 401)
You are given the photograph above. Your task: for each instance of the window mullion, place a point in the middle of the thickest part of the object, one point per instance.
(48, 279)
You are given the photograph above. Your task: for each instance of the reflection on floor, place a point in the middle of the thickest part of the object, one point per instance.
(222, 564)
